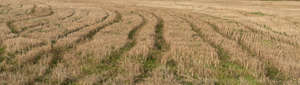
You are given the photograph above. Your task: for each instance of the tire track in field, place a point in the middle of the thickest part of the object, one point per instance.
(154, 55)
(25, 50)
(79, 28)
(111, 61)
(283, 34)
(245, 13)
(223, 55)
(76, 30)
(4, 10)
(13, 29)
(44, 52)
(24, 11)
(64, 35)
(2, 51)
(172, 65)
(57, 52)
(272, 72)
(271, 37)
(71, 15)
(38, 55)
(71, 19)
(9, 23)
(47, 23)
(256, 31)
(271, 30)
(44, 22)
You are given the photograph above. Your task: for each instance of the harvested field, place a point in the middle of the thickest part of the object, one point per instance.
(149, 42)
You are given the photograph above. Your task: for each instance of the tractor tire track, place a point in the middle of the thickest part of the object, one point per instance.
(4, 10)
(41, 23)
(41, 45)
(20, 11)
(223, 54)
(271, 37)
(73, 19)
(87, 25)
(28, 49)
(112, 60)
(64, 35)
(269, 66)
(47, 24)
(154, 55)
(9, 23)
(11, 27)
(59, 51)
(71, 15)
(259, 32)
(263, 25)
(43, 52)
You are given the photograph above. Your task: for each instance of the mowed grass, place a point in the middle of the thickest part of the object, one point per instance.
(143, 43)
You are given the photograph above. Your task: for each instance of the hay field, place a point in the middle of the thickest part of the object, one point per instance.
(149, 42)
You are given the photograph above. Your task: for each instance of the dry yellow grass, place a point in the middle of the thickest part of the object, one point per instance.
(149, 42)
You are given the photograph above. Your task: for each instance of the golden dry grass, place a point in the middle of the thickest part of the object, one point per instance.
(149, 42)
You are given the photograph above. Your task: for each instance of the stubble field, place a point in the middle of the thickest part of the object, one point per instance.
(149, 42)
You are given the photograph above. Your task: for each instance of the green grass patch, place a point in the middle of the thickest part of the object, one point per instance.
(172, 65)
(230, 72)
(160, 46)
(280, 33)
(12, 28)
(268, 42)
(4, 11)
(172, 68)
(227, 72)
(150, 64)
(110, 62)
(274, 74)
(2, 50)
(257, 13)
(155, 53)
